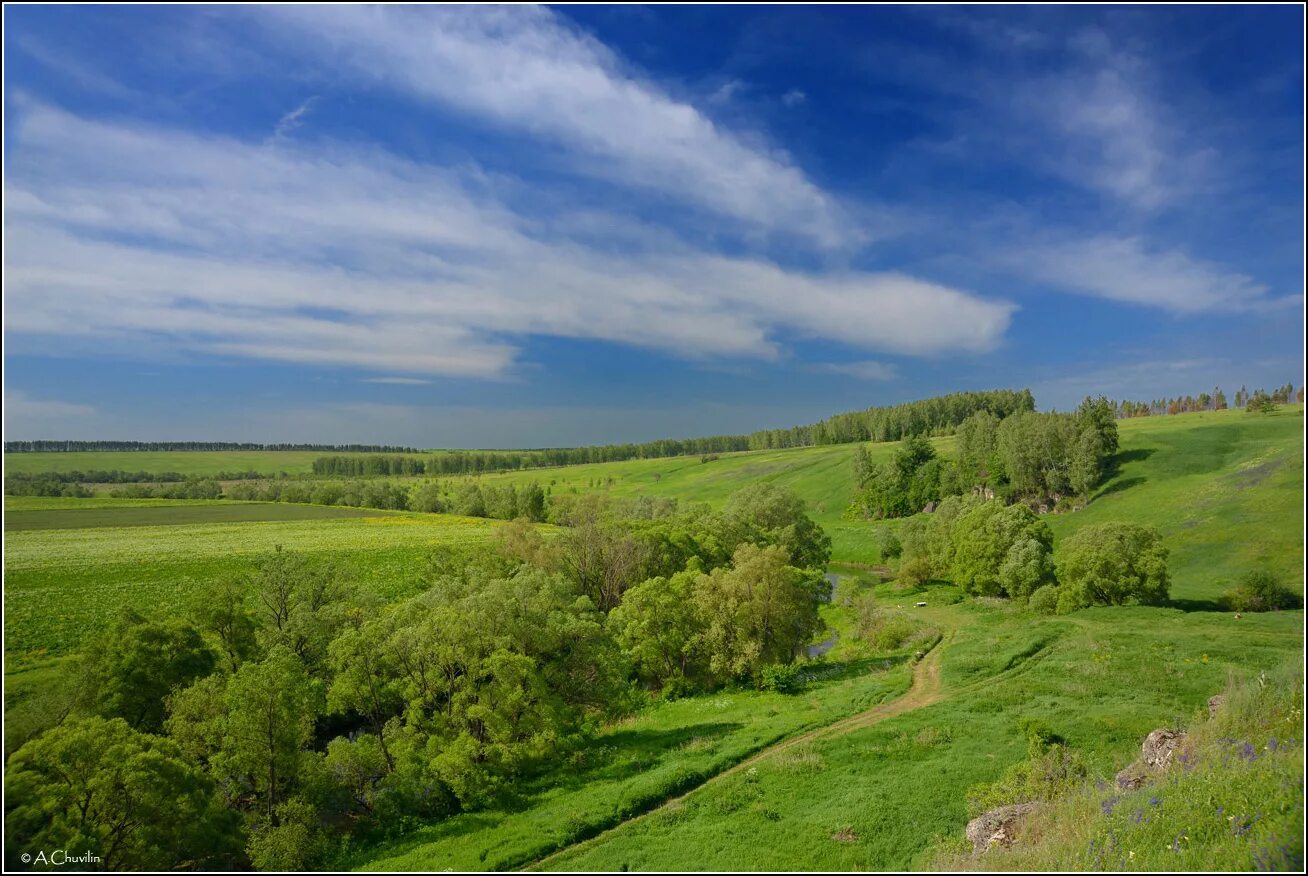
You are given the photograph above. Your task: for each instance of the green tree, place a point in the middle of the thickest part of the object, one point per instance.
(222, 611)
(1261, 403)
(765, 514)
(299, 605)
(1113, 564)
(272, 707)
(363, 679)
(983, 538)
(129, 797)
(659, 626)
(759, 612)
(130, 669)
(1027, 566)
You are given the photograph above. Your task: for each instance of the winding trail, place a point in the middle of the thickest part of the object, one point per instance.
(924, 691)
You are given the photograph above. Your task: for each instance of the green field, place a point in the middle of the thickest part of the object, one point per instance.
(215, 511)
(186, 462)
(868, 786)
(61, 584)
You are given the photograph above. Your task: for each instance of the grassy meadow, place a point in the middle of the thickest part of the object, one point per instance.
(658, 791)
(62, 583)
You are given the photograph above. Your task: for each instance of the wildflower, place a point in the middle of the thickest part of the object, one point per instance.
(1155, 801)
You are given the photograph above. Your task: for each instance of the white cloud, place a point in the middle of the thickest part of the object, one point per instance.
(293, 119)
(525, 69)
(357, 258)
(397, 381)
(794, 97)
(865, 370)
(28, 418)
(1126, 269)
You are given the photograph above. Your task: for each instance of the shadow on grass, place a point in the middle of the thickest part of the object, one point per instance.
(1198, 605)
(1119, 485)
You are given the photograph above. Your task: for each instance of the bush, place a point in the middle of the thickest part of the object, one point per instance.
(887, 543)
(1113, 564)
(782, 677)
(1260, 590)
(1044, 600)
(1042, 776)
(885, 630)
(913, 573)
(985, 537)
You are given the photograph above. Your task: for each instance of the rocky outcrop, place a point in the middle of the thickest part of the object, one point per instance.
(998, 826)
(1156, 755)
(1159, 746)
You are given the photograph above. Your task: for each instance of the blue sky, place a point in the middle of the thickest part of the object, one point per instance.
(518, 226)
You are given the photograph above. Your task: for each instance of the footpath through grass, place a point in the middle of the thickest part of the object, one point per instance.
(639, 763)
(880, 797)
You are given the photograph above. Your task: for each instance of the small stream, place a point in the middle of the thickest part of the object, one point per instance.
(823, 647)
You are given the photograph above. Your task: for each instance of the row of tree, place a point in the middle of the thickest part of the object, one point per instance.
(130, 446)
(59, 483)
(288, 709)
(933, 416)
(1040, 458)
(940, 415)
(1204, 401)
(369, 466)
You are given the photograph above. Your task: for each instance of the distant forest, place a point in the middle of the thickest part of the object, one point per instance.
(145, 446)
(933, 416)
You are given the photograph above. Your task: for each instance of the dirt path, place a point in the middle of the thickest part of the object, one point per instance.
(924, 691)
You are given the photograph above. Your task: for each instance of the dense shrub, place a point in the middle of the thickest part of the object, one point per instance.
(782, 678)
(1260, 590)
(1113, 564)
(1044, 600)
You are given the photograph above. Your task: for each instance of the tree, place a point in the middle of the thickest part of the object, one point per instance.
(759, 612)
(983, 539)
(1113, 564)
(222, 611)
(1086, 466)
(363, 679)
(660, 627)
(1027, 566)
(129, 670)
(977, 449)
(765, 514)
(128, 797)
(602, 560)
(299, 605)
(271, 710)
(1259, 590)
(1261, 403)
(1097, 414)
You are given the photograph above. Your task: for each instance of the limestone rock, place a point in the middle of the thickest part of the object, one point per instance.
(1159, 746)
(998, 826)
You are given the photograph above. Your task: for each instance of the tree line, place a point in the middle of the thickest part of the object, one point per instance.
(53, 483)
(288, 713)
(933, 416)
(122, 446)
(1205, 401)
